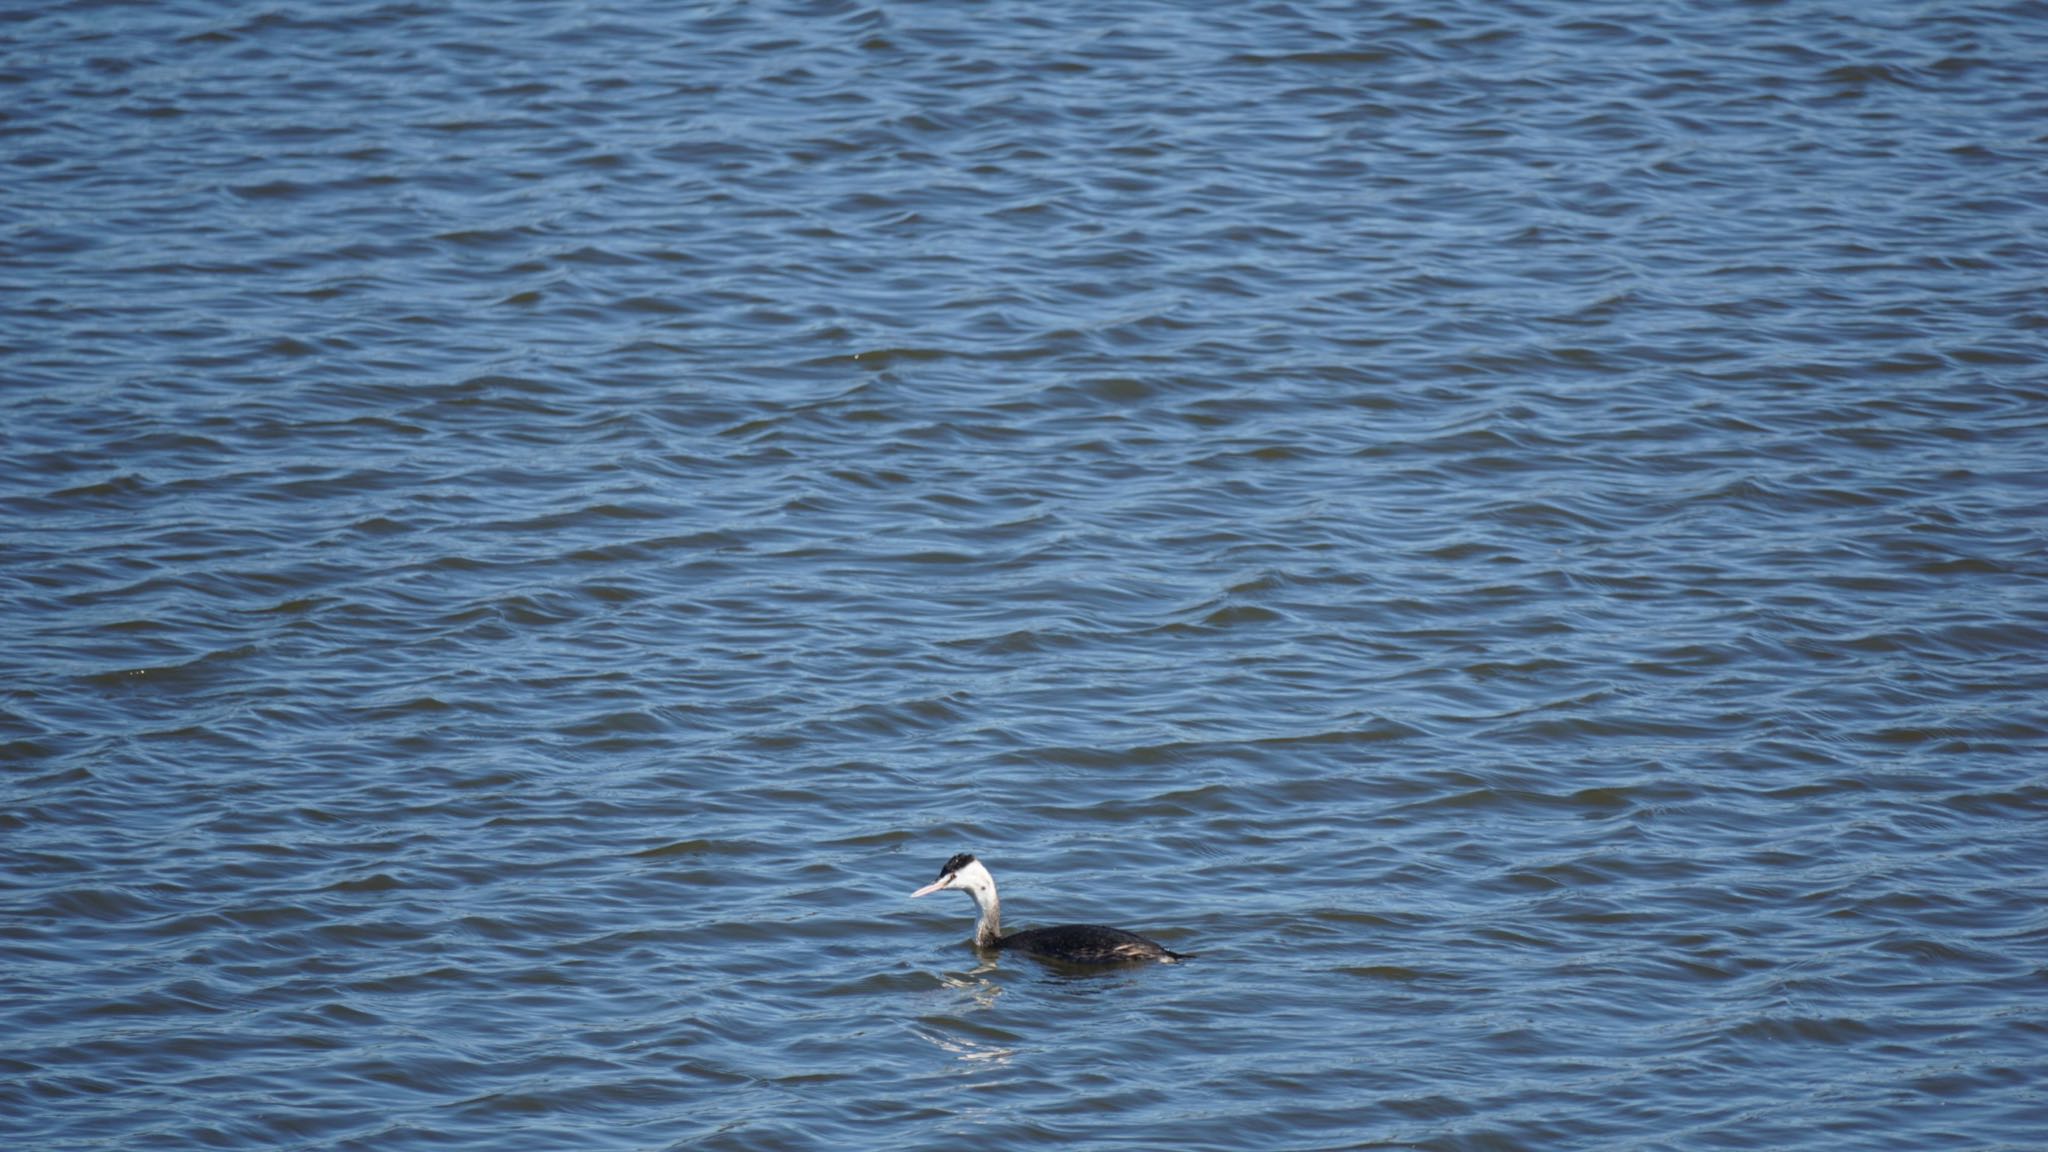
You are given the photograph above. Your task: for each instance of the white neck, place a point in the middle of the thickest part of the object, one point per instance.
(976, 882)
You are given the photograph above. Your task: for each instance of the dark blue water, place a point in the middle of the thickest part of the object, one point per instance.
(1517, 532)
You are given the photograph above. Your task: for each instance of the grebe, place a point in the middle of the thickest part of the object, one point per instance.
(1067, 944)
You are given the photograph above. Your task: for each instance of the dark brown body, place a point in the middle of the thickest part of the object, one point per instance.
(1086, 944)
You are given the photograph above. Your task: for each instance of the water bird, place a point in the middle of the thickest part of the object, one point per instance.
(1065, 944)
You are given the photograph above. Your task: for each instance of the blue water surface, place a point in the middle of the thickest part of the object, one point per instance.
(1514, 532)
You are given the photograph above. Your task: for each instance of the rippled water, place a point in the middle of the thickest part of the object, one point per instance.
(1515, 531)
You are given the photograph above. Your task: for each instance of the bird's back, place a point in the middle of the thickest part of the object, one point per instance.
(1087, 944)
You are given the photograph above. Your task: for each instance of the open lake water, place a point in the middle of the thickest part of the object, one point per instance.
(1516, 531)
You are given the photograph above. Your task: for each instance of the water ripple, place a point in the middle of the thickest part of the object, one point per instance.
(1510, 533)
